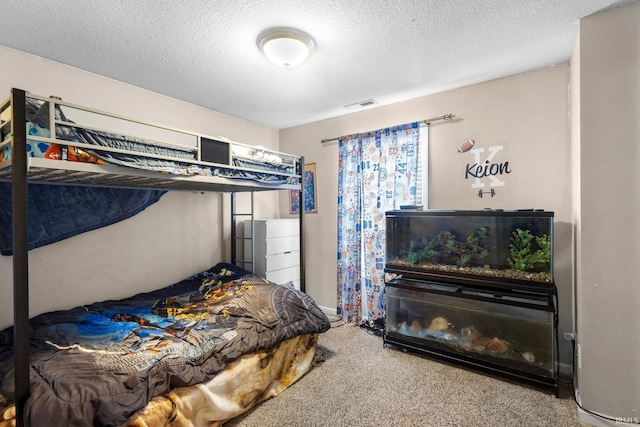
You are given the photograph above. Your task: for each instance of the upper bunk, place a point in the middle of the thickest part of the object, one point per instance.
(67, 143)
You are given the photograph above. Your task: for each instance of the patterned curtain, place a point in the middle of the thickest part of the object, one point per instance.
(377, 173)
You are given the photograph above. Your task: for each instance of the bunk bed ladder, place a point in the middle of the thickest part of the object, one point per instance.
(249, 239)
(234, 234)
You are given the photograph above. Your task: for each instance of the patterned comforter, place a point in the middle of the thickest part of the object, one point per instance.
(99, 364)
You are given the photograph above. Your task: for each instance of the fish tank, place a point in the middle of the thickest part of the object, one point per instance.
(501, 332)
(491, 247)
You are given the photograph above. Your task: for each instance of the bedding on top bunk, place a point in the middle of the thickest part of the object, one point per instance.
(268, 167)
(100, 364)
(57, 212)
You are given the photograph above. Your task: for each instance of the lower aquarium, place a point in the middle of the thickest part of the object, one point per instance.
(508, 333)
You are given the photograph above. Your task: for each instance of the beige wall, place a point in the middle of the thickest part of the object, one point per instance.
(608, 227)
(185, 232)
(527, 114)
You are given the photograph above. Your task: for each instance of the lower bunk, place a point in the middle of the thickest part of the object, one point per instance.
(196, 353)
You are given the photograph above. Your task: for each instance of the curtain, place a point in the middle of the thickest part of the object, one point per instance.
(377, 173)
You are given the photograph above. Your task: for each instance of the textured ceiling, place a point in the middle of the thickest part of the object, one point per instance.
(204, 51)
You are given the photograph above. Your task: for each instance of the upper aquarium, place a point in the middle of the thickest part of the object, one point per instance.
(488, 245)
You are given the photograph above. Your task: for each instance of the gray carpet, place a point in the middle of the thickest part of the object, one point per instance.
(361, 383)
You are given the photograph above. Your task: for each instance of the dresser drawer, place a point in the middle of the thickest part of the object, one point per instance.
(283, 276)
(279, 227)
(283, 260)
(280, 245)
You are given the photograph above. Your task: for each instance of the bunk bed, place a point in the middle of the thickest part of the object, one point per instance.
(198, 352)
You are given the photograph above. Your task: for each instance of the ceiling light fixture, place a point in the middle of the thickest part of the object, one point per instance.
(284, 46)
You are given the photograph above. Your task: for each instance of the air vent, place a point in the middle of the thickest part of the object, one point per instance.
(361, 104)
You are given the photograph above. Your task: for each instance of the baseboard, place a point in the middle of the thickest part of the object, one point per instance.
(327, 310)
(598, 421)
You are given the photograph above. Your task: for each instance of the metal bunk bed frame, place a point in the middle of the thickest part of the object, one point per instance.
(24, 169)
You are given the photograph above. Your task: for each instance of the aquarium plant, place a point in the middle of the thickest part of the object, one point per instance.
(523, 257)
(445, 247)
(476, 236)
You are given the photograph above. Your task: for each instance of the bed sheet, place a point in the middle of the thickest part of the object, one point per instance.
(243, 384)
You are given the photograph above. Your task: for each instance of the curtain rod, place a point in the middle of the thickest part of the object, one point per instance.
(425, 122)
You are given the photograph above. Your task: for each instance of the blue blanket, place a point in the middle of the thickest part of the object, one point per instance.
(57, 212)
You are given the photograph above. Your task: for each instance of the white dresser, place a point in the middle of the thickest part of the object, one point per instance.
(276, 245)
